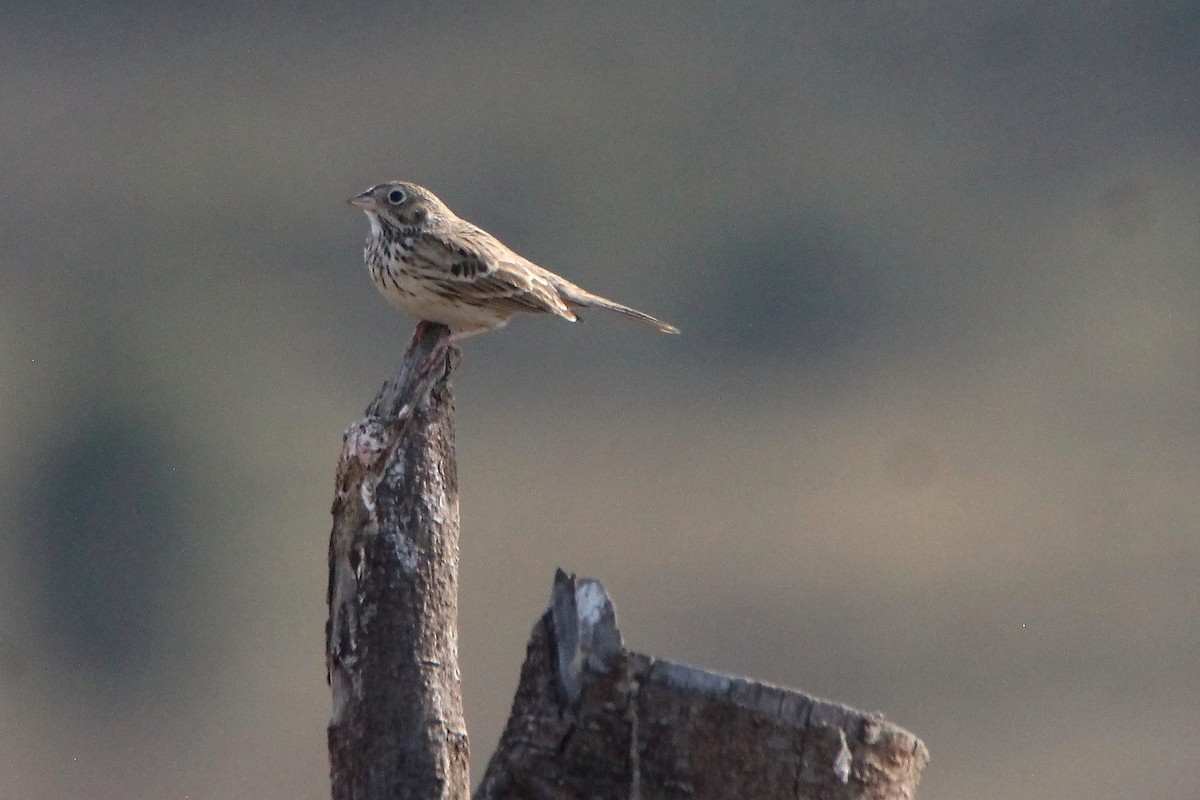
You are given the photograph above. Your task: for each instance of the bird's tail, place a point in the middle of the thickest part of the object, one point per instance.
(575, 296)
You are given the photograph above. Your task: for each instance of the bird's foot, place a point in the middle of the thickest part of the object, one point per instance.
(443, 347)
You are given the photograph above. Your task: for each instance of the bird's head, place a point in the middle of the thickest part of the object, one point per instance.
(401, 205)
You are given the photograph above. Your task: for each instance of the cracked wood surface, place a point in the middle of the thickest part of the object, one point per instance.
(590, 719)
(396, 729)
(593, 720)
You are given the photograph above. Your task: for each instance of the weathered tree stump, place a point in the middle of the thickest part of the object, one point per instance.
(590, 719)
(594, 720)
(397, 727)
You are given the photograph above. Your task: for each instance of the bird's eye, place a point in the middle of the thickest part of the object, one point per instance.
(396, 197)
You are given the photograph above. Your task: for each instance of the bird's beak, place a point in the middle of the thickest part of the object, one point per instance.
(365, 201)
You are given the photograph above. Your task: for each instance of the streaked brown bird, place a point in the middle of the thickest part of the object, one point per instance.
(427, 261)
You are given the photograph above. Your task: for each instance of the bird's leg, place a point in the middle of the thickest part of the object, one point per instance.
(437, 356)
(446, 344)
(419, 332)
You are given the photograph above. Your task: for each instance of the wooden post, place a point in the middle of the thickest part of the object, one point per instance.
(397, 727)
(594, 720)
(590, 719)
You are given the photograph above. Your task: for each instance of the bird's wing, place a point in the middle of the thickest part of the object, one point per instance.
(470, 265)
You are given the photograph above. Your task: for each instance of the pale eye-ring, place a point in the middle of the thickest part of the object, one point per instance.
(396, 196)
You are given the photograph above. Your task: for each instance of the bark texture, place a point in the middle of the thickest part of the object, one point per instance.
(397, 729)
(590, 719)
(593, 720)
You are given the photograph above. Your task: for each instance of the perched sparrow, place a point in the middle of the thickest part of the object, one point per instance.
(427, 261)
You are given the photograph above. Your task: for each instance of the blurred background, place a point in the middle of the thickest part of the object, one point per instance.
(928, 444)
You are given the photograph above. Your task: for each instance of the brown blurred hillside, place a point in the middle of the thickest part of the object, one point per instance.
(928, 444)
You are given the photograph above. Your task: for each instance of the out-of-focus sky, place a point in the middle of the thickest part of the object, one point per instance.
(928, 443)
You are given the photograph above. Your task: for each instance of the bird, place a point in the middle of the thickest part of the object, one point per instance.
(428, 262)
